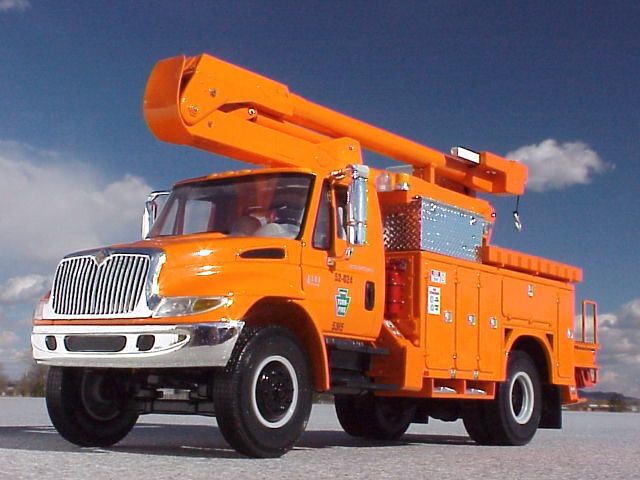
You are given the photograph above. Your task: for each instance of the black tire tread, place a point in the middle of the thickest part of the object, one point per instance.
(69, 418)
(499, 428)
(364, 416)
(349, 416)
(228, 404)
(475, 422)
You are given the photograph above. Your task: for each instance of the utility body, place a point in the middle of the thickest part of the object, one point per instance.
(250, 290)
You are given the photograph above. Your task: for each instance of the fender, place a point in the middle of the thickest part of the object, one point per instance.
(293, 316)
(515, 335)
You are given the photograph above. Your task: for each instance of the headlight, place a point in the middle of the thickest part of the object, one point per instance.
(181, 306)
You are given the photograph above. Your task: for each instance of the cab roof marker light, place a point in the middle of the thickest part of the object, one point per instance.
(466, 154)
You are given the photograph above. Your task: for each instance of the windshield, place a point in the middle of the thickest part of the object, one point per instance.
(270, 205)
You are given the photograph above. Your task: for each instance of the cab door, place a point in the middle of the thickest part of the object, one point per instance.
(341, 287)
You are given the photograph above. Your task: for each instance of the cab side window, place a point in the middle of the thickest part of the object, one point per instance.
(322, 229)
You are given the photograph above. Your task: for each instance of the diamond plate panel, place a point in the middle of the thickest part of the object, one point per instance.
(430, 225)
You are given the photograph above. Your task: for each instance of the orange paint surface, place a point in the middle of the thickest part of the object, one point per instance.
(458, 319)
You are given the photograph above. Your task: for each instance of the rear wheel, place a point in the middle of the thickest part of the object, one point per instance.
(512, 418)
(350, 416)
(475, 422)
(89, 407)
(263, 396)
(378, 418)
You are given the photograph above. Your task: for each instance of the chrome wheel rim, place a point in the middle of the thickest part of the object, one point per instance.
(521, 398)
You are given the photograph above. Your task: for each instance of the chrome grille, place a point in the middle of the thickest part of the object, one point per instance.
(83, 286)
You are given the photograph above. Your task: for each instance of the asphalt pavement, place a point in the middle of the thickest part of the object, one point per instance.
(591, 446)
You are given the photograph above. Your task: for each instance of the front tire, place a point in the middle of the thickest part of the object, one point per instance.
(263, 396)
(89, 407)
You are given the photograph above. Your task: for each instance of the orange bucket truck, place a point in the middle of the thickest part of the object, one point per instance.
(251, 290)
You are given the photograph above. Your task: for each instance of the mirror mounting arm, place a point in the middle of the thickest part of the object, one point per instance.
(333, 258)
(151, 211)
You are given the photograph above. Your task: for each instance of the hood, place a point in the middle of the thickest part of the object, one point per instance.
(205, 264)
(203, 249)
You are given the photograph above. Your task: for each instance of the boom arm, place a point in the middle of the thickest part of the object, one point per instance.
(210, 104)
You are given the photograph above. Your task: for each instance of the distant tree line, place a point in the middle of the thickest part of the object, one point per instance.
(30, 384)
(33, 380)
(617, 403)
(606, 402)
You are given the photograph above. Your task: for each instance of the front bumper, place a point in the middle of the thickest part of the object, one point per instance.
(136, 346)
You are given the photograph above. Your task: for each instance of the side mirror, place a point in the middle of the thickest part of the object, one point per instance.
(357, 201)
(151, 211)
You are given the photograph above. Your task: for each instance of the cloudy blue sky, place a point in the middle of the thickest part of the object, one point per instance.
(554, 84)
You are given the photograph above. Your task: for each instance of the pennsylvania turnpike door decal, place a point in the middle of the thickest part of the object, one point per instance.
(343, 300)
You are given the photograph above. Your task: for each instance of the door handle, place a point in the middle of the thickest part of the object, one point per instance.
(369, 295)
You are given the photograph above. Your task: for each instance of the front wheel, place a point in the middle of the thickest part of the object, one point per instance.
(89, 407)
(263, 396)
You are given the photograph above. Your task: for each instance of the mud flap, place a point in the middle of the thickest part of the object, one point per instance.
(551, 407)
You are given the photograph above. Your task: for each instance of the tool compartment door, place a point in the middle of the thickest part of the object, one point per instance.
(466, 319)
(565, 344)
(490, 345)
(439, 290)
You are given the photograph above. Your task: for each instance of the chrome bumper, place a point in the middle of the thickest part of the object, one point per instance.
(136, 346)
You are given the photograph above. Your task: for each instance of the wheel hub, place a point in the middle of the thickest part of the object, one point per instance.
(275, 392)
(101, 396)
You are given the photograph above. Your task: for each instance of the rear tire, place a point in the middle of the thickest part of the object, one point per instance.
(475, 422)
(376, 418)
(263, 396)
(512, 418)
(350, 416)
(89, 407)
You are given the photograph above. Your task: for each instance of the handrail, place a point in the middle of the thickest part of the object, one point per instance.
(594, 306)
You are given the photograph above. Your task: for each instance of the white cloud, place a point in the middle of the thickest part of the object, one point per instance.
(553, 166)
(53, 207)
(8, 339)
(619, 357)
(19, 5)
(27, 288)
